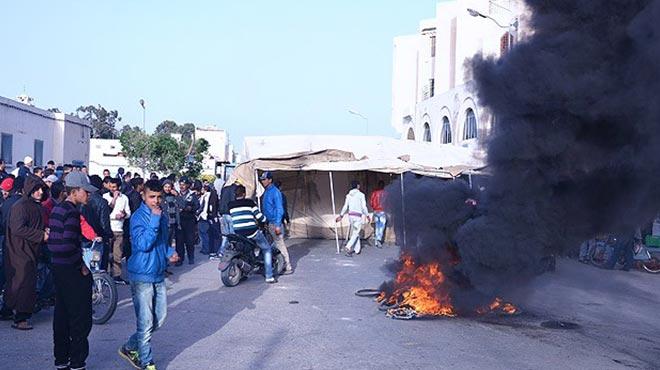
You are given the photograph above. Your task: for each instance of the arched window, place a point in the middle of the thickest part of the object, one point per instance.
(446, 131)
(427, 132)
(470, 129)
(411, 134)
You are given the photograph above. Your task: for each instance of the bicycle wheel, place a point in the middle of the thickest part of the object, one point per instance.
(599, 256)
(652, 265)
(104, 298)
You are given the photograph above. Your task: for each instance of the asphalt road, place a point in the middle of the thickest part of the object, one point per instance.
(313, 320)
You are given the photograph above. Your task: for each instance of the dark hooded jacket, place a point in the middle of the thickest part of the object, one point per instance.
(25, 234)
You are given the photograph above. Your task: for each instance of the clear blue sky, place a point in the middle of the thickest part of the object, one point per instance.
(251, 67)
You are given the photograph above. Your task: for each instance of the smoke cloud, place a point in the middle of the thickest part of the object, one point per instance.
(575, 149)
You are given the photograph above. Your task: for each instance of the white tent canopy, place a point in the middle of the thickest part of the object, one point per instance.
(430, 155)
(315, 182)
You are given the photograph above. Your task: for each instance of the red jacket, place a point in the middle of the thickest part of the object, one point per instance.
(376, 200)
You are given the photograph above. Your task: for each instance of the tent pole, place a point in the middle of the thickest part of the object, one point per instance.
(256, 186)
(403, 211)
(334, 208)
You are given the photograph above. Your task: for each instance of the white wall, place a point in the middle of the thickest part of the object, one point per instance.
(27, 123)
(459, 37)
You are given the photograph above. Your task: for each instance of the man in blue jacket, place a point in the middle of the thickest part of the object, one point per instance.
(273, 207)
(146, 273)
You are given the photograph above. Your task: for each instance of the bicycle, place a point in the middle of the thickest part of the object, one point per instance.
(104, 290)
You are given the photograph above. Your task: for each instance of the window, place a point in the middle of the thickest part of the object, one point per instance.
(470, 130)
(6, 148)
(411, 134)
(446, 131)
(433, 46)
(427, 132)
(506, 43)
(38, 152)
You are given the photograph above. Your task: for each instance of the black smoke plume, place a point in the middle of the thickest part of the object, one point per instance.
(575, 149)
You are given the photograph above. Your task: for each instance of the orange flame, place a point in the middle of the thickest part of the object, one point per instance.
(423, 288)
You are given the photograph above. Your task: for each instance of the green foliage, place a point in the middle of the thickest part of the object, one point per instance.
(162, 153)
(103, 121)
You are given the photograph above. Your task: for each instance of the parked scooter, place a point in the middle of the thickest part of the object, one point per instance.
(243, 257)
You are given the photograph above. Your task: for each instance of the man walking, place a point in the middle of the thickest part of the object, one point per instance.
(273, 208)
(245, 216)
(356, 207)
(120, 211)
(25, 233)
(72, 321)
(376, 202)
(146, 272)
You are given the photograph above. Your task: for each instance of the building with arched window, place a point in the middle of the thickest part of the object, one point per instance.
(432, 93)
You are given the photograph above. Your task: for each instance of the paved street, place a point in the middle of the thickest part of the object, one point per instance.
(312, 320)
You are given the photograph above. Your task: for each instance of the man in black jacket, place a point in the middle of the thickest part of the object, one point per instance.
(97, 214)
(226, 195)
(188, 203)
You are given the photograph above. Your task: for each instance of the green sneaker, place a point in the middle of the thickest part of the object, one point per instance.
(133, 357)
(150, 366)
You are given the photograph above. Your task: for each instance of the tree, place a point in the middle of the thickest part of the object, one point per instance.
(54, 110)
(103, 121)
(194, 165)
(136, 147)
(161, 152)
(167, 127)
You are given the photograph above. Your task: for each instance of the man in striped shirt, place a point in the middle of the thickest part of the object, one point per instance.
(245, 217)
(73, 281)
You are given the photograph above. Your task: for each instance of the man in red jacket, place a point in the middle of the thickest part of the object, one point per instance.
(376, 202)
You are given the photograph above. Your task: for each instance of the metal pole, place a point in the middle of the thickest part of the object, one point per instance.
(256, 185)
(403, 211)
(144, 119)
(334, 209)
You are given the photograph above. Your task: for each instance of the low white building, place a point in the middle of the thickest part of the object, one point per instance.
(433, 97)
(107, 154)
(26, 130)
(220, 149)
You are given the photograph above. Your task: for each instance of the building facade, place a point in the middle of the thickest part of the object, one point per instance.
(29, 131)
(433, 95)
(220, 149)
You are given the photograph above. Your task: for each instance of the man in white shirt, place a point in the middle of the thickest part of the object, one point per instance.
(119, 211)
(356, 207)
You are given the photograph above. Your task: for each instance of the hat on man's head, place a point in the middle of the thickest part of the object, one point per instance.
(27, 159)
(266, 175)
(51, 178)
(185, 180)
(7, 184)
(79, 180)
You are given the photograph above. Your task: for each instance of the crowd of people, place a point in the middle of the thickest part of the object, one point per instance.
(49, 216)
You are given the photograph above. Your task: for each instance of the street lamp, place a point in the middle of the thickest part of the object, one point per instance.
(361, 116)
(512, 28)
(144, 114)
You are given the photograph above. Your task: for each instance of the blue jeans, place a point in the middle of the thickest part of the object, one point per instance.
(204, 235)
(267, 251)
(214, 237)
(380, 220)
(150, 303)
(226, 227)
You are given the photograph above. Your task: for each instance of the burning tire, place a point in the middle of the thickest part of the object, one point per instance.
(652, 265)
(232, 275)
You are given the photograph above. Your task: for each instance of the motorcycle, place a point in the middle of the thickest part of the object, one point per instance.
(243, 257)
(104, 291)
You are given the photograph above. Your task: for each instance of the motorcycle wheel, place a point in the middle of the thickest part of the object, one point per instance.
(278, 264)
(652, 266)
(232, 275)
(600, 256)
(104, 298)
